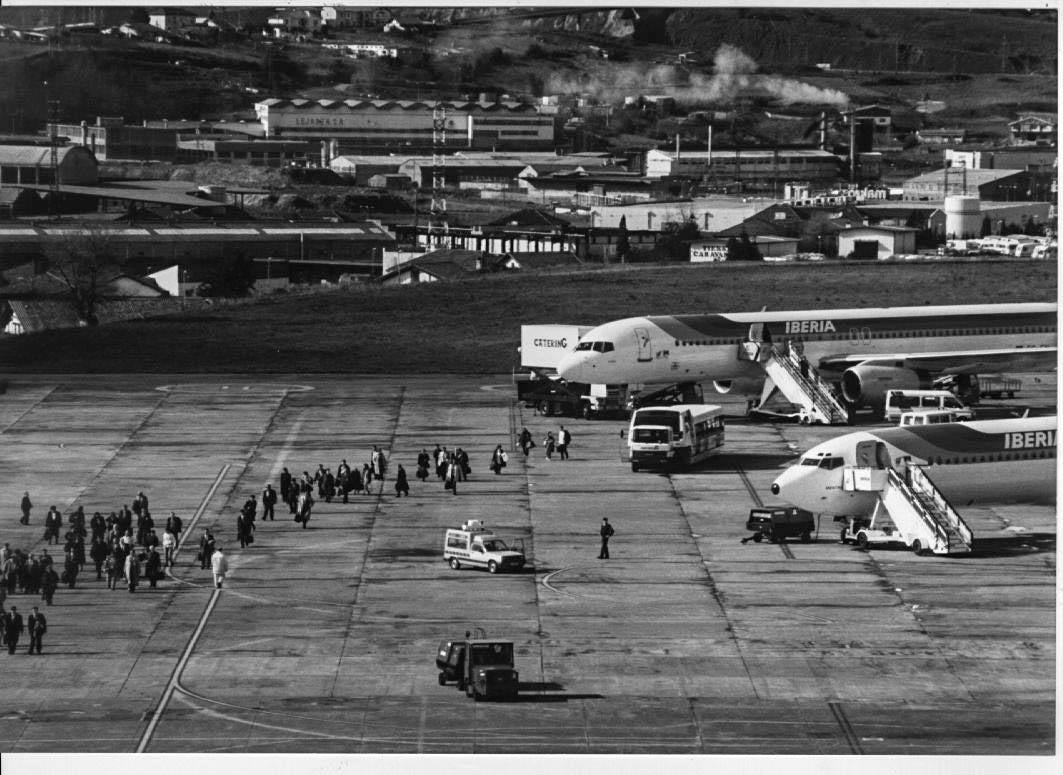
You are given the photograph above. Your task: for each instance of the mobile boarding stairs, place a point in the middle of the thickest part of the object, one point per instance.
(921, 516)
(793, 376)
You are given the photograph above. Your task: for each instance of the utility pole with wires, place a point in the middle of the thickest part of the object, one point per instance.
(437, 217)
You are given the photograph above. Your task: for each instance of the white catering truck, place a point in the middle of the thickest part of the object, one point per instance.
(539, 387)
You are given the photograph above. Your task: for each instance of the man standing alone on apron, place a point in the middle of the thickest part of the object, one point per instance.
(606, 533)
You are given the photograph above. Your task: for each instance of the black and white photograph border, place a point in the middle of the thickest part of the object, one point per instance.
(655, 507)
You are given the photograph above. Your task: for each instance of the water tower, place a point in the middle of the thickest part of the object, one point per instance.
(963, 217)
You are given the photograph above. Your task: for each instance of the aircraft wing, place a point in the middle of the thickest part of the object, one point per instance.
(951, 362)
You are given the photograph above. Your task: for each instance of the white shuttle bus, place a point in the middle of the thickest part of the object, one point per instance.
(677, 435)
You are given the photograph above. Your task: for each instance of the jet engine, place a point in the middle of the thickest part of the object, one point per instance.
(743, 386)
(867, 384)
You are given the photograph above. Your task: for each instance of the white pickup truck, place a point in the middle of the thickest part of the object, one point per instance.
(474, 545)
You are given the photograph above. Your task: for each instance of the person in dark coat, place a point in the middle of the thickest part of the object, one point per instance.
(286, 485)
(52, 524)
(525, 440)
(26, 505)
(49, 583)
(70, 569)
(174, 525)
(422, 465)
(98, 553)
(98, 526)
(251, 508)
(402, 487)
(355, 481)
(269, 500)
(244, 528)
(38, 626)
(328, 485)
(13, 629)
(606, 533)
(206, 549)
(153, 566)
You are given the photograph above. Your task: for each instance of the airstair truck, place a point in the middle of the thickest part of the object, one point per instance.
(539, 387)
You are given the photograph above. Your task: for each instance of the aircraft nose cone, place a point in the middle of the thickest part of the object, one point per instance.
(774, 488)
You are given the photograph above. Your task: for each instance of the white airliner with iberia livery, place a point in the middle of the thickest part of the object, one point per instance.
(867, 351)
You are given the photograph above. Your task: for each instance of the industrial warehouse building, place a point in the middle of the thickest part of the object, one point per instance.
(307, 252)
(111, 138)
(32, 164)
(991, 184)
(383, 126)
(753, 166)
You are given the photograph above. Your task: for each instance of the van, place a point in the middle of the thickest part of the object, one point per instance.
(931, 417)
(474, 545)
(898, 401)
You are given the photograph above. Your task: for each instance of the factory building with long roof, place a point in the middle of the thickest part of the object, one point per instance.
(371, 126)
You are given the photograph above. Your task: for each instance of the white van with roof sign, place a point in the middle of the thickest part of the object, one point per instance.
(900, 401)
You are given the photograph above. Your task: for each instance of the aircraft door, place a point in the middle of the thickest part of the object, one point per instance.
(642, 345)
(756, 333)
(872, 454)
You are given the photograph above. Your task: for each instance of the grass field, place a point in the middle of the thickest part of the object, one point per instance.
(474, 326)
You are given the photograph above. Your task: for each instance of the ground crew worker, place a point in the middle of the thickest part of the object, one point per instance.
(606, 533)
(38, 626)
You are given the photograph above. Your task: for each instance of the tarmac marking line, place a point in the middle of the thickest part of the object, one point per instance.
(199, 513)
(289, 442)
(175, 676)
(847, 728)
(546, 582)
(35, 404)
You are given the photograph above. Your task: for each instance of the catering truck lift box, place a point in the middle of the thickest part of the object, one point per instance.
(539, 387)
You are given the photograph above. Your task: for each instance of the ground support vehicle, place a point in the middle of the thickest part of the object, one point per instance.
(779, 523)
(483, 668)
(970, 388)
(474, 545)
(670, 436)
(899, 401)
(550, 395)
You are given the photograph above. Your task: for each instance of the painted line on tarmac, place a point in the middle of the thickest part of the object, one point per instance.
(546, 582)
(175, 676)
(847, 728)
(289, 442)
(33, 406)
(199, 513)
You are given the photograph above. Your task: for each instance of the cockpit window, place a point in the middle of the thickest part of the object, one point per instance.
(598, 347)
(831, 462)
(810, 461)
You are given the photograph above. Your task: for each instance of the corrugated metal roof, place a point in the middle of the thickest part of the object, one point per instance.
(34, 155)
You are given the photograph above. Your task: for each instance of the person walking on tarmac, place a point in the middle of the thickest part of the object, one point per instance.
(563, 440)
(525, 440)
(402, 486)
(219, 566)
(269, 500)
(606, 533)
(499, 458)
(38, 626)
(26, 505)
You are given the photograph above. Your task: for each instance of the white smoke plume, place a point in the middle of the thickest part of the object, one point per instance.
(735, 73)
